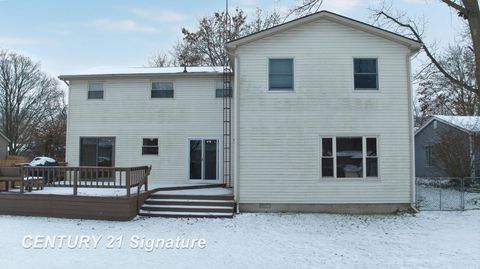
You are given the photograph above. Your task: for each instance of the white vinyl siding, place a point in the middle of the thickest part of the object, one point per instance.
(130, 115)
(279, 133)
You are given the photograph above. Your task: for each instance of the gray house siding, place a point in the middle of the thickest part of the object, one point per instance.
(429, 136)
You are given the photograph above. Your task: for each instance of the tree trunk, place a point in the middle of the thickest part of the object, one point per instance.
(472, 14)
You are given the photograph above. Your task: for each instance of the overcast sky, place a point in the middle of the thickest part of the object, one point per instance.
(70, 36)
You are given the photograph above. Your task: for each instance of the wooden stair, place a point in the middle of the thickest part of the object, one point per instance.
(167, 204)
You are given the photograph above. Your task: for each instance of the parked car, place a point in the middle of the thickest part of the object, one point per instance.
(43, 161)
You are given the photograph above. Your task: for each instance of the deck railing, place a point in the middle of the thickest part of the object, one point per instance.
(85, 177)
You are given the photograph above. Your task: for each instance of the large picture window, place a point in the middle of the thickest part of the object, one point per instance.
(280, 74)
(349, 157)
(365, 74)
(97, 151)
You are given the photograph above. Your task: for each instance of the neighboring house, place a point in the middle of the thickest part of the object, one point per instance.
(321, 121)
(3, 146)
(448, 146)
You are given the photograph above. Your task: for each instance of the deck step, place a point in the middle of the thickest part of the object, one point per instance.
(192, 196)
(189, 202)
(189, 208)
(175, 214)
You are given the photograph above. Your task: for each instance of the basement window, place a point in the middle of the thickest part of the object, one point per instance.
(349, 157)
(150, 146)
(162, 90)
(95, 90)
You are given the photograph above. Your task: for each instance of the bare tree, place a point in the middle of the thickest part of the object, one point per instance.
(451, 153)
(467, 10)
(49, 136)
(205, 45)
(439, 95)
(160, 59)
(27, 95)
(304, 7)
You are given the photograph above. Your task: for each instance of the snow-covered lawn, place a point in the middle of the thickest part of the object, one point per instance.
(424, 240)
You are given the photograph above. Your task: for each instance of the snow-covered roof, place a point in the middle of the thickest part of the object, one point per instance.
(143, 71)
(469, 124)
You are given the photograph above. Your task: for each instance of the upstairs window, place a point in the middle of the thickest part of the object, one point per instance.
(150, 146)
(222, 90)
(365, 74)
(349, 157)
(162, 90)
(280, 74)
(95, 90)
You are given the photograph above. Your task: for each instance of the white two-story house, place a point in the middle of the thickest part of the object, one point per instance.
(321, 118)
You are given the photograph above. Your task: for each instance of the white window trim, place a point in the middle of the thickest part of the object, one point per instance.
(287, 91)
(364, 162)
(362, 90)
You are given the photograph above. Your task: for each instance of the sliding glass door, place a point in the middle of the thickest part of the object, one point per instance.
(203, 159)
(97, 151)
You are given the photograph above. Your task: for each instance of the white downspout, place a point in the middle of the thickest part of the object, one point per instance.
(236, 130)
(411, 132)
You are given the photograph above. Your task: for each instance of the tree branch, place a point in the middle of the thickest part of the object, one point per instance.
(428, 52)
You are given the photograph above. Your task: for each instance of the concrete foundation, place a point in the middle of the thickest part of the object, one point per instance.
(327, 208)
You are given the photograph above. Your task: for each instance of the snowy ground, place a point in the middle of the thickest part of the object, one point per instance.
(425, 240)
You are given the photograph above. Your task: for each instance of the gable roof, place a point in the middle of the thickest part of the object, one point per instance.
(408, 42)
(468, 124)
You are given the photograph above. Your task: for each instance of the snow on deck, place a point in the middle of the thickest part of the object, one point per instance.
(425, 240)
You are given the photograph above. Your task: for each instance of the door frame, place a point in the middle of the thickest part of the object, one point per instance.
(219, 158)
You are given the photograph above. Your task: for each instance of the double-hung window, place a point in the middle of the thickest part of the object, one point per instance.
(280, 74)
(365, 74)
(95, 90)
(162, 90)
(349, 157)
(150, 146)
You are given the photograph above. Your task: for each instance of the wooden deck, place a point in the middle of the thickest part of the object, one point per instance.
(70, 206)
(116, 199)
